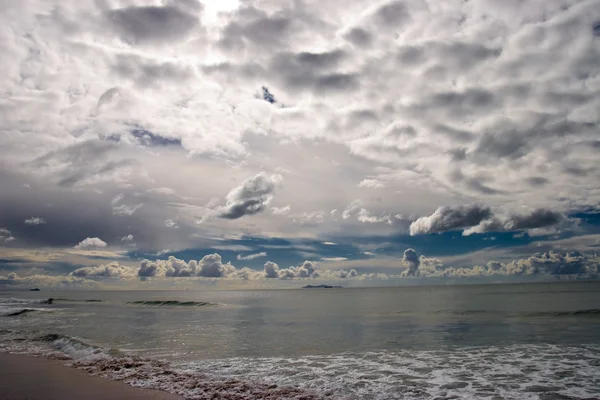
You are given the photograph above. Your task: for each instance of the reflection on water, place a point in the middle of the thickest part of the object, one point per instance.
(315, 321)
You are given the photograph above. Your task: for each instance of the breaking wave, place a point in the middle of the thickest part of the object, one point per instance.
(172, 303)
(14, 300)
(145, 372)
(510, 372)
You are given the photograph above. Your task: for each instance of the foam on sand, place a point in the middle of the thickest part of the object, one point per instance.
(145, 372)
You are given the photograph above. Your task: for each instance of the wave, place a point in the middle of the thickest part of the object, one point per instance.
(14, 300)
(174, 303)
(149, 373)
(19, 311)
(591, 312)
(511, 372)
(78, 301)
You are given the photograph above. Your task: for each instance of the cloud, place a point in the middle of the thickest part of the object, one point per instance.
(6, 236)
(124, 209)
(35, 221)
(411, 260)
(271, 270)
(371, 183)
(91, 243)
(333, 258)
(281, 210)
(480, 118)
(151, 24)
(211, 266)
(450, 218)
(171, 223)
(251, 197)
(306, 270)
(251, 256)
(533, 222)
(112, 270)
(128, 238)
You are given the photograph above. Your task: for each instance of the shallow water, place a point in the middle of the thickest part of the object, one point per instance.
(514, 341)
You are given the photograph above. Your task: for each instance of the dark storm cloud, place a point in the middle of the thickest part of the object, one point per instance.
(450, 218)
(152, 24)
(251, 197)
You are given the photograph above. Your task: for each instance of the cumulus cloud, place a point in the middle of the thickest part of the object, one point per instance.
(306, 270)
(271, 270)
(211, 266)
(450, 218)
(35, 221)
(548, 263)
(91, 243)
(251, 197)
(251, 256)
(412, 261)
(111, 270)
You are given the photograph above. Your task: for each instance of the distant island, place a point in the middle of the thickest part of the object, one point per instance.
(321, 287)
(34, 290)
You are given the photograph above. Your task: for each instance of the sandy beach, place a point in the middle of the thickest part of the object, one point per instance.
(24, 377)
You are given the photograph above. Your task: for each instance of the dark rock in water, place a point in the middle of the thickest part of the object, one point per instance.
(321, 287)
(455, 385)
(34, 290)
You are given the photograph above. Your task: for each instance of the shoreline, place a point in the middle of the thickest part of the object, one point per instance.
(33, 378)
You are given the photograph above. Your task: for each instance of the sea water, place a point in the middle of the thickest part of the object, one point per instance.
(518, 341)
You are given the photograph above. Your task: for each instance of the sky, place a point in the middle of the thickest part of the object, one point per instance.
(277, 141)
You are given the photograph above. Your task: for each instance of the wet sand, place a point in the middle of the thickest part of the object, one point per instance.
(23, 377)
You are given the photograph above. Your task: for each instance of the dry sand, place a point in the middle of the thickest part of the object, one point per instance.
(30, 378)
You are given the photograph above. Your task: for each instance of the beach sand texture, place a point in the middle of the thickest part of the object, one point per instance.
(29, 378)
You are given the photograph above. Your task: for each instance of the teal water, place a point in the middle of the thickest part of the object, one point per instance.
(514, 341)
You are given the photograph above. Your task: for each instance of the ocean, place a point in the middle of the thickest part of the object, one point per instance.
(510, 341)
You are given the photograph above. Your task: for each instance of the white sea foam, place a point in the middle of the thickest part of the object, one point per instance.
(510, 372)
(514, 372)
